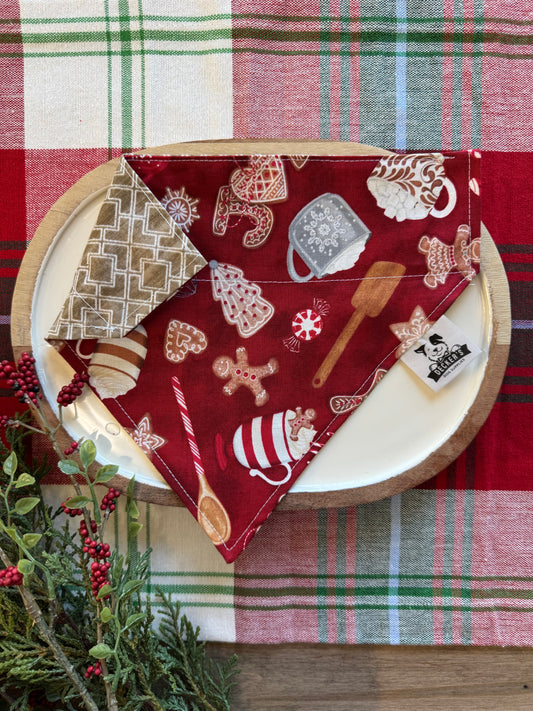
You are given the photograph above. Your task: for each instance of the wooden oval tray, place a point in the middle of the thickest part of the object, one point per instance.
(318, 486)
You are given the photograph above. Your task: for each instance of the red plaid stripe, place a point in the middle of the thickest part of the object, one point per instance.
(11, 76)
(50, 173)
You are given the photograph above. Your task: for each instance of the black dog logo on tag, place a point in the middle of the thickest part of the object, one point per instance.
(443, 358)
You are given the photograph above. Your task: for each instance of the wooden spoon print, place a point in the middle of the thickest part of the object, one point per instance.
(368, 299)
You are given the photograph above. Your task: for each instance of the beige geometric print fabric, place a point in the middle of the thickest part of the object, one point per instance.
(135, 258)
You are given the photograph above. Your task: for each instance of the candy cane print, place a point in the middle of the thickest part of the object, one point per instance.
(212, 515)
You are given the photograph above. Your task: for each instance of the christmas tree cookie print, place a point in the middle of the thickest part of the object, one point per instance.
(241, 300)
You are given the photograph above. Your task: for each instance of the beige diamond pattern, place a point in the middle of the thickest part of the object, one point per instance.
(135, 258)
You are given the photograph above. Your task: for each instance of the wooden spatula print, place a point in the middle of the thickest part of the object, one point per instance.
(368, 299)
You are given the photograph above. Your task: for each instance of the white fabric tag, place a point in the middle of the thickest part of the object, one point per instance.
(440, 354)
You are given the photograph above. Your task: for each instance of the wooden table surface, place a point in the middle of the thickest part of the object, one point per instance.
(301, 677)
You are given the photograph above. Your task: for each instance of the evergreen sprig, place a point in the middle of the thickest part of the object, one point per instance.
(67, 643)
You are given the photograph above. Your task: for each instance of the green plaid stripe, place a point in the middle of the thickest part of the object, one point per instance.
(379, 35)
(418, 44)
(422, 601)
(416, 592)
(402, 56)
(127, 78)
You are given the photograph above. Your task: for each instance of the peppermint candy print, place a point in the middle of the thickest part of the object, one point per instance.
(307, 325)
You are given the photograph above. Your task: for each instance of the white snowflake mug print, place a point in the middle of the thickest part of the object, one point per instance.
(328, 236)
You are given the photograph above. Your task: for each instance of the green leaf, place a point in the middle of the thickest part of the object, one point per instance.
(12, 533)
(134, 529)
(133, 619)
(106, 615)
(132, 509)
(117, 568)
(87, 453)
(25, 566)
(104, 591)
(131, 487)
(105, 473)
(69, 466)
(100, 651)
(26, 504)
(10, 465)
(24, 479)
(130, 587)
(77, 502)
(31, 539)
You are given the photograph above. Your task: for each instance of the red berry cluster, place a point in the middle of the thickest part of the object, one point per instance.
(37, 701)
(70, 392)
(70, 450)
(99, 576)
(10, 576)
(84, 533)
(100, 566)
(4, 420)
(71, 512)
(96, 670)
(96, 550)
(109, 500)
(22, 378)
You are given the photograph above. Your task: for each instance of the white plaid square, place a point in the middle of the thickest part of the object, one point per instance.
(96, 77)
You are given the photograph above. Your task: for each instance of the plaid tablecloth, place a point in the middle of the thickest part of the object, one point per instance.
(84, 80)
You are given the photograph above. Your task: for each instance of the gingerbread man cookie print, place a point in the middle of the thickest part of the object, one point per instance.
(301, 419)
(239, 372)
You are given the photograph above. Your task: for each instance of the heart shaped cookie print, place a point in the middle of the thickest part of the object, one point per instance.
(181, 339)
(263, 180)
(298, 161)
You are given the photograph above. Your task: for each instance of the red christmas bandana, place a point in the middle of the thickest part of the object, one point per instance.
(303, 279)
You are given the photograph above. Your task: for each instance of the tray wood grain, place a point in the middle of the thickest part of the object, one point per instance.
(490, 262)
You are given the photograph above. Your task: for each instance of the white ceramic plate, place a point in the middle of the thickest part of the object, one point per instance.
(395, 429)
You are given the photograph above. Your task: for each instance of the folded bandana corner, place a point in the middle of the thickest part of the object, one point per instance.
(136, 257)
(322, 271)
